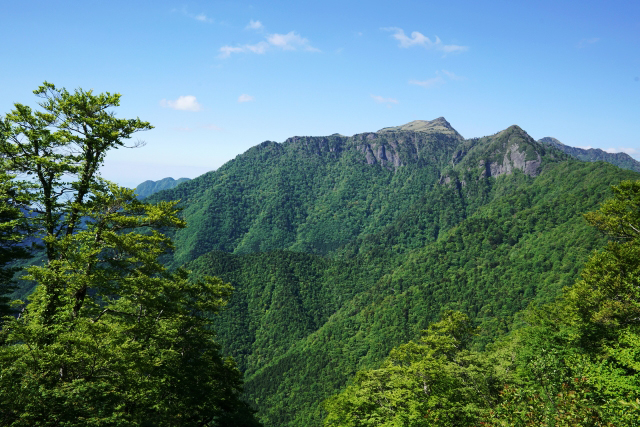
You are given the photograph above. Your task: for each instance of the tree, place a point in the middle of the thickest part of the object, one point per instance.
(12, 234)
(434, 382)
(579, 360)
(110, 336)
(59, 150)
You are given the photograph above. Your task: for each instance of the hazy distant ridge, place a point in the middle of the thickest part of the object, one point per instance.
(149, 187)
(622, 160)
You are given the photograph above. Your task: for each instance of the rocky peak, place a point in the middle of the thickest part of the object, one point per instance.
(439, 125)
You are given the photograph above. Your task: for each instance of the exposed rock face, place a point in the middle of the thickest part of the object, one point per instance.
(514, 158)
(380, 154)
(427, 142)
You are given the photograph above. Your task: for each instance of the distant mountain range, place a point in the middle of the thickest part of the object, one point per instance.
(622, 160)
(340, 248)
(149, 187)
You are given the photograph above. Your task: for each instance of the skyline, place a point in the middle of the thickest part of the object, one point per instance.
(218, 78)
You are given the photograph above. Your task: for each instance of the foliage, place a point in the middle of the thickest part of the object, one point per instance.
(301, 326)
(12, 234)
(110, 336)
(342, 248)
(59, 150)
(579, 359)
(435, 382)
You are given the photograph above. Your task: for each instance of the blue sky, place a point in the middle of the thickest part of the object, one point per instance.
(216, 78)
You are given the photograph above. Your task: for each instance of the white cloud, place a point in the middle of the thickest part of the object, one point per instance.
(587, 42)
(183, 103)
(289, 41)
(202, 18)
(419, 39)
(382, 100)
(435, 81)
(584, 147)
(211, 127)
(453, 76)
(245, 98)
(199, 17)
(226, 51)
(254, 25)
(452, 48)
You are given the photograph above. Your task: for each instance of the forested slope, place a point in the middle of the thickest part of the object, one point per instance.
(149, 187)
(308, 194)
(340, 248)
(525, 244)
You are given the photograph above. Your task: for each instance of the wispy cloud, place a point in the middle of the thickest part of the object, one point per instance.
(198, 17)
(435, 81)
(211, 126)
(202, 18)
(586, 42)
(453, 76)
(245, 98)
(419, 39)
(183, 103)
(381, 100)
(289, 41)
(438, 79)
(254, 25)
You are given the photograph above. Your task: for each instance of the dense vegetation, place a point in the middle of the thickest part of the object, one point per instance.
(526, 244)
(496, 226)
(149, 187)
(360, 266)
(110, 336)
(575, 362)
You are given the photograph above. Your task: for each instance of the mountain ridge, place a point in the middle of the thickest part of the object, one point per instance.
(150, 187)
(622, 160)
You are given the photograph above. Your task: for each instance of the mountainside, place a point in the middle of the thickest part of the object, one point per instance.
(149, 187)
(340, 248)
(316, 194)
(622, 160)
(308, 194)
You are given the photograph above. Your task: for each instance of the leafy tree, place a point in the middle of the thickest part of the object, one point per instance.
(60, 149)
(434, 382)
(580, 356)
(12, 233)
(110, 336)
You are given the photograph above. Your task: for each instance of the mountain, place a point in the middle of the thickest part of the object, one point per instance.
(340, 248)
(622, 160)
(149, 187)
(439, 126)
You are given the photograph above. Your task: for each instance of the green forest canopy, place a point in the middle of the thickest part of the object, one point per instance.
(352, 260)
